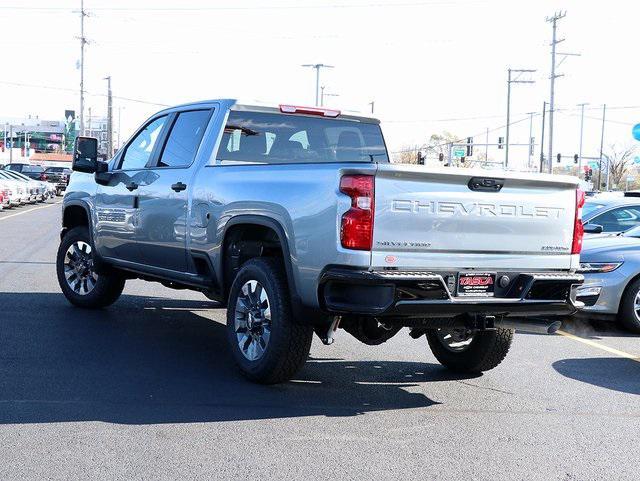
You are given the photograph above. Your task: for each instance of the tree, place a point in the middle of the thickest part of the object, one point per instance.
(407, 155)
(619, 159)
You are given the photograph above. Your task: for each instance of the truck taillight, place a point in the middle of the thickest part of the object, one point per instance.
(356, 230)
(578, 228)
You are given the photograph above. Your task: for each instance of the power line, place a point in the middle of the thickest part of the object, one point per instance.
(256, 7)
(63, 89)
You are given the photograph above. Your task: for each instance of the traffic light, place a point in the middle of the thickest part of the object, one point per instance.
(559, 157)
(469, 146)
(532, 145)
(575, 158)
(501, 142)
(441, 157)
(420, 157)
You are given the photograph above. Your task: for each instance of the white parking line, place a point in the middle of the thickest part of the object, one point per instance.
(30, 210)
(600, 346)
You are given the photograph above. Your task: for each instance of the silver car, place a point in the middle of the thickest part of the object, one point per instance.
(37, 189)
(611, 268)
(610, 215)
(19, 188)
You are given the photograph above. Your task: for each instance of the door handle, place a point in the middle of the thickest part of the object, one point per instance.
(131, 186)
(179, 187)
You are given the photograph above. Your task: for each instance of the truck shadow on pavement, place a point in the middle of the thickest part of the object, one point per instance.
(615, 373)
(152, 360)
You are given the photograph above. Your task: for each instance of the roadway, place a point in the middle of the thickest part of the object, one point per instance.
(146, 389)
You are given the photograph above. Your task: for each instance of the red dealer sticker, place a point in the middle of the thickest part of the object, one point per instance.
(479, 284)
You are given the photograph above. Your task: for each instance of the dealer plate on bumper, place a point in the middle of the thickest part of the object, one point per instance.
(476, 284)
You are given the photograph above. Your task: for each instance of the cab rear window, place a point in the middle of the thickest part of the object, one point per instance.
(269, 138)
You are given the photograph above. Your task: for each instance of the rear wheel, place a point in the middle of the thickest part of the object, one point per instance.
(629, 312)
(469, 351)
(266, 343)
(80, 283)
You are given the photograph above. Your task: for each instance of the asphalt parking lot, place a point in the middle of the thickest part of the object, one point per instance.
(146, 390)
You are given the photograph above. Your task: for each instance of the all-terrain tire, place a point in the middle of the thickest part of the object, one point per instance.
(289, 342)
(107, 288)
(627, 315)
(486, 351)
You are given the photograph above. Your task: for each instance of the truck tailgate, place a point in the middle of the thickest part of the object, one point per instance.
(427, 219)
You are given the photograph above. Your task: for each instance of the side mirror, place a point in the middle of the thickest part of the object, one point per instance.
(593, 229)
(85, 155)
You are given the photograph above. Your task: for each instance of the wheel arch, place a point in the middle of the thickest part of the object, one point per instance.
(263, 226)
(626, 290)
(75, 214)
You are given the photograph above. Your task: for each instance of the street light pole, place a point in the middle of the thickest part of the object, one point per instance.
(604, 113)
(544, 110)
(109, 119)
(531, 144)
(509, 82)
(317, 66)
(581, 132)
(83, 42)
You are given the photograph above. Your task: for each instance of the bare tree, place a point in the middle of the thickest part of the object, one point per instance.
(619, 159)
(407, 155)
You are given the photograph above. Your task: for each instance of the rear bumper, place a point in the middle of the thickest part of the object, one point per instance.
(427, 295)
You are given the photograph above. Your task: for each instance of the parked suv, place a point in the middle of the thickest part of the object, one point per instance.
(294, 219)
(59, 176)
(32, 171)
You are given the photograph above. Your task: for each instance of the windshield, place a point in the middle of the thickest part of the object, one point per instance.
(17, 175)
(590, 207)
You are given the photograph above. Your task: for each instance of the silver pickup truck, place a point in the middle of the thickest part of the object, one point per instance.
(294, 218)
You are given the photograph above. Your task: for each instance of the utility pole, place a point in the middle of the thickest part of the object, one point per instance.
(531, 143)
(604, 113)
(317, 66)
(119, 119)
(554, 42)
(486, 146)
(109, 119)
(11, 149)
(581, 132)
(372, 103)
(544, 112)
(323, 95)
(83, 42)
(509, 82)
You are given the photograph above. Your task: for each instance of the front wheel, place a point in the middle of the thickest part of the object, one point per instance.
(469, 351)
(267, 344)
(629, 312)
(80, 283)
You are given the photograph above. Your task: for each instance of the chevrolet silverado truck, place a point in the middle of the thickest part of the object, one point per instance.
(296, 221)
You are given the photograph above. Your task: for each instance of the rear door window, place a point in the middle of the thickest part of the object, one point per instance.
(270, 138)
(184, 138)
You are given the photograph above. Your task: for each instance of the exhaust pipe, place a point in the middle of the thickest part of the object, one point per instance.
(535, 326)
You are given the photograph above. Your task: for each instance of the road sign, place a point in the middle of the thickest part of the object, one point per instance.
(636, 131)
(459, 152)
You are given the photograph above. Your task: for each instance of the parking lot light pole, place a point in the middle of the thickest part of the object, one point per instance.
(581, 132)
(509, 82)
(604, 113)
(317, 66)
